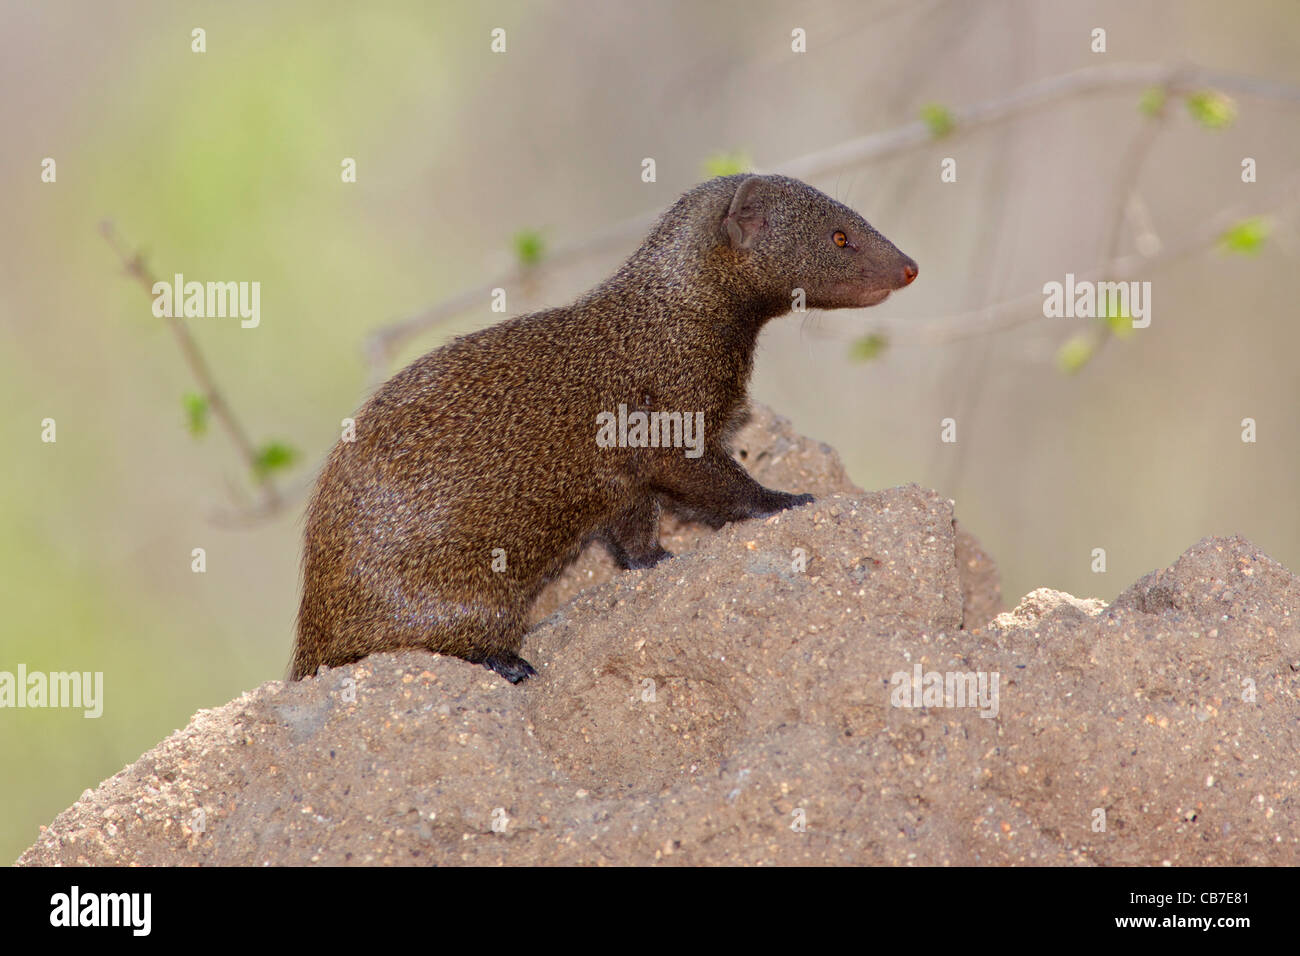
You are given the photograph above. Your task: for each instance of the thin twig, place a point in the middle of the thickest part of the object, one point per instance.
(134, 265)
(1130, 174)
(380, 346)
(1027, 307)
(1033, 96)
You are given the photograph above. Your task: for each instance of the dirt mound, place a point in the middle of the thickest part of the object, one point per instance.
(794, 690)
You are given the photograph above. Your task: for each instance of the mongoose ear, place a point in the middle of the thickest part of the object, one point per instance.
(745, 219)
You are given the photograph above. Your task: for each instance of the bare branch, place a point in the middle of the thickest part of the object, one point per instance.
(1034, 96)
(380, 346)
(134, 265)
(1026, 308)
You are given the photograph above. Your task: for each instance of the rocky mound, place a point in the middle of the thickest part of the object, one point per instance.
(828, 685)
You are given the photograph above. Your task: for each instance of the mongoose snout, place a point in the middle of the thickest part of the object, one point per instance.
(480, 471)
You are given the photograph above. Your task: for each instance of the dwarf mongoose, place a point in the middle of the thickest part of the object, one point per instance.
(480, 470)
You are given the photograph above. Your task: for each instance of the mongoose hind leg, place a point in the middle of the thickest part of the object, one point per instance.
(490, 636)
(510, 666)
(633, 536)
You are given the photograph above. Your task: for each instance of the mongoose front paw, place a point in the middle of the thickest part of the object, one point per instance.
(778, 501)
(648, 560)
(510, 666)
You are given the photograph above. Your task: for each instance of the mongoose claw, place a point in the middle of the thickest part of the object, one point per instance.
(649, 560)
(778, 501)
(510, 666)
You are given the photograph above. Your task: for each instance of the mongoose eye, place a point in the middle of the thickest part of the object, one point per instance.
(840, 239)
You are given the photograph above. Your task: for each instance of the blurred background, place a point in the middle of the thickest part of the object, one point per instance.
(225, 165)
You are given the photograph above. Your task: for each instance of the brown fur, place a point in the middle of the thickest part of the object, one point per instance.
(490, 441)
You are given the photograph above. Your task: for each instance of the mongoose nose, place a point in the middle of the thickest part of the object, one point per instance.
(909, 272)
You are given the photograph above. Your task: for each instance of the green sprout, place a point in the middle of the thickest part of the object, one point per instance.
(869, 347)
(529, 246)
(1247, 236)
(272, 457)
(1075, 353)
(1212, 109)
(1153, 100)
(939, 118)
(728, 164)
(196, 413)
(1116, 314)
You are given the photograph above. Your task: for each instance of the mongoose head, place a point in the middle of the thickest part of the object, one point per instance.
(786, 236)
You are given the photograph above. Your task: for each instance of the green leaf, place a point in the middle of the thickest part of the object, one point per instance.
(529, 247)
(1153, 100)
(1247, 236)
(728, 164)
(196, 412)
(272, 457)
(939, 118)
(1075, 353)
(1212, 109)
(869, 347)
(1116, 314)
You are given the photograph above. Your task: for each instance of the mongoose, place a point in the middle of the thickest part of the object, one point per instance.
(480, 471)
